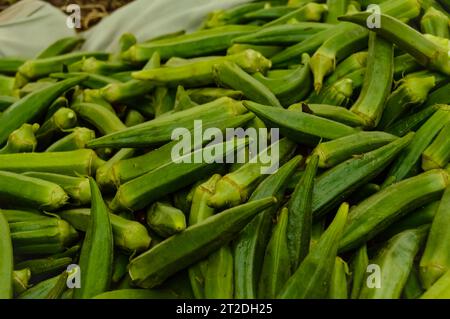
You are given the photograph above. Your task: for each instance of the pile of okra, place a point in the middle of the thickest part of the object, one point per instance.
(94, 205)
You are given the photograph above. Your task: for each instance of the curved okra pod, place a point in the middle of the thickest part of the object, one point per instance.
(128, 235)
(229, 74)
(236, 187)
(200, 43)
(413, 121)
(80, 162)
(334, 152)
(298, 229)
(300, 126)
(97, 250)
(440, 289)
(77, 139)
(331, 112)
(342, 180)
(377, 81)
(283, 34)
(6, 260)
(427, 53)
(377, 212)
(422, 139)
(165, 220)
(338, 282)
(26, 191)
(395, 260)
(309, 12)
(76, 187)
(62, 46)
(353, 63)
(276, 265)
(156, 265)
(435, 22)
(358, 267)
(338, 93)
(437, 155)
(31, 106)
(311, 279)
(251, 243)
(435, 260)
(22, 140)
(63, 119)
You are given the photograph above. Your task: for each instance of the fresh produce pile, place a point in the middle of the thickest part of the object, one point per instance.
(360, 204)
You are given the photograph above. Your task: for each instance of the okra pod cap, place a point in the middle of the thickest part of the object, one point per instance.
(165, 219)
(22, 140)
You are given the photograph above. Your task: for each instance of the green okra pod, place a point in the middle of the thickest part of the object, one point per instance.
(182, 100)
(44, 268)
(435, 22)
(31, 106)
(251, 243)
(93, 81)
(377, 81)
(440, 289)
(62, 120)
(20, 280)
(128, 235)
(133, 118)
(331, 112)
(14, 215)
(312, 278)
(435, 260)
(395, 261)
(298, 229)
(104, 121)
(62, 46)
(73, 163)
(165, 219)
(336, 8)
(342, 180)
(40, 290)
(229, 74)
(309, 12)
(338, 93)
(77, 139)
(404, 64)
(413, 288)
(334, 152)
(299, 126)
(437, 155)
(6, 101)
(269, 13)
(411, 122)
(358, 267)
(6, 260)
(156, 265)
(267, 51)
(120, 265)
(276, 265)
(438, 96)
(10, 65)
(233, 15)
(206, 95)
(354, 62)
(426, 52)
(92, 65)
(22, 140)
(377, 212)
(97, 250)
(338, 284)
(219, 272)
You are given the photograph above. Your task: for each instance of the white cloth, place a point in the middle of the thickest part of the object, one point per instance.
(29, 26)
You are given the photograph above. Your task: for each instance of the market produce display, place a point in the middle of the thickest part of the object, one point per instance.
(351, 106)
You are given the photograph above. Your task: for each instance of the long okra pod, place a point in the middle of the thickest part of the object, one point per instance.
(312, 278)
(298, 229)
(435, 260)
(411, 122)
(338, 283)
(156, 265)
(358, 266)
(6, 260)
(97, 250)
(377, 212)
(437, 155)
(251, 243)
(377, 82)
(435, 22)
(335, 113)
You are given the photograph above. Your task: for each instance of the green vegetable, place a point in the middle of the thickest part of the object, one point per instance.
(102, 119)
(22, 140)
(440, 290)
(219, 274)
(6, 260)
(20, 280)
(353, 63)
(437, 155)
(165, 219)
(62, 46)
(435, 22)
(338, 284)
(308, 12)
(358, 267)
(76, 140)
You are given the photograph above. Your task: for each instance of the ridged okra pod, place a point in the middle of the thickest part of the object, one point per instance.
(336, 8)
(377, 81)
(41, 290)
(219, 281)
(309, 12)
(338, 93)
(77, 139)
(43, 268)
(22, 140)
(331, 112)
(156, 265)
(437, 155)
(165, 219)
(62, 120)
(395, 261)
(105, 121)
(312, 278)
(358, 268)
(413, 121)
(435, 260)
(438, 96)
(435, 22)
(377, 212)
(61, 46)
(6, 260)
(97, 251)
(354, 62)
(338, 283)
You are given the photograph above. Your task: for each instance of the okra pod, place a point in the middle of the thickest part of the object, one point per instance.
(92, 65)
(120, 265)
(404, 64)
(411, 122)
(300, 126)
(232, 76)
(62, 120)
(232, 15)
(413, 288)
(269, 13)
(377, 81)
(334, 152)
(338, 283)
(93, 81)
(438, 96)
(298, 229)
(165, 219)
(336, 8)
(76, 187)
(342, 180)
(6, 260)
(426, 52)
(339, 93)
(395, 261)
(437, 155)
(97, 250)
(358, 266)
(377, 212)
(44, 268)
(219, 279)
(312, 278)
(353, 63)
(31, 106)
(6, 101)
(80, 162)
(40, 290)
(128, 235)
(276, 265)
(435, 260)
(440, 289)
(30, 192)
(20, 281)
(133, 118)
(77, 139)
(22, 140)
(200, 43)
(206, 95)
(331, 112)
(62, 46)
(10, 65)
(14, 215)
(435, 22)
(251, 243)
(182, 100)
(309, 12)
(156, 265)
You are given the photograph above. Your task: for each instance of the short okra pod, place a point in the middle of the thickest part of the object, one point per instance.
(22, 140)
(437, 155)
(312, 278)
(77, 139)
(103, 120)
(435, 22)
(354, 62)
(358, 267)
(97, 250)
(338, 283)
(377, 212)
(165, 219)
(6, 260)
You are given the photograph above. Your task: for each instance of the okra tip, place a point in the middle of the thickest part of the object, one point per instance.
(321, 65)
